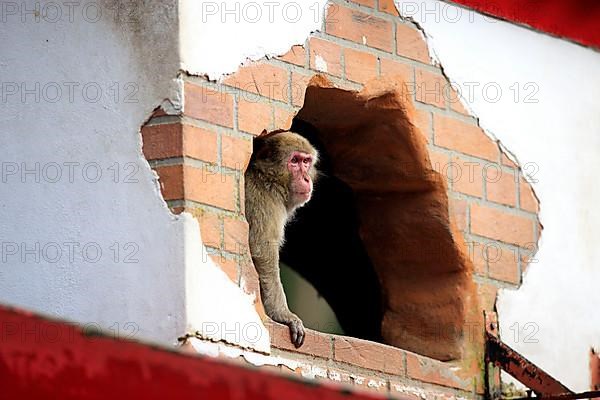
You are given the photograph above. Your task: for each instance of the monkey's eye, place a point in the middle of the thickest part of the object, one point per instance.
(307, 161)
(294, 160)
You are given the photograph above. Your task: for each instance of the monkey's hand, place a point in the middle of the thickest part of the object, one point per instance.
(296, 329)
(294, 323)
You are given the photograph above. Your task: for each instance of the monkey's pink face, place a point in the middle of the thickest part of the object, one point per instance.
(299, 165)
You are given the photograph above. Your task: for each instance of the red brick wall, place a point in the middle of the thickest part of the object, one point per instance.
(200, 157)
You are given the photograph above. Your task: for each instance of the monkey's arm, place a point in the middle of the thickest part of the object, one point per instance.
(271, 291)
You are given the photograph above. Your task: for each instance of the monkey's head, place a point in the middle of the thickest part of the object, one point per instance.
(287, 159)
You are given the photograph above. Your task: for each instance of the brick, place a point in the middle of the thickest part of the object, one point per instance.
(430, 88)
(527, 257)
(254, 116)
(528, 201)
(501, 186)
(282, 118)
(391, 68)
(360, 66)
(503, 263)
(315, 343)
(463, 137)
(159, 112)
(423, 124)
(171, 181)
(296, 55)
(208, 186)
(261, 78)
(478, 256)
(487, 295)
(455, 101)
(177, 140)
(229, 266)
(466, 176)
(249, 281)
(388, 6)
(299, 83)
(162, 141)
(369, 355)
(235, 152)
(458, 213)
(210, 227)
(242, 194)
(208, 104)
(199, 143)
(235, 234)
(366, 3)
(359, 27)
(433, 371)
(325, 56)
(439, 163)
(411, 44)
(505, 160)
(497, 224)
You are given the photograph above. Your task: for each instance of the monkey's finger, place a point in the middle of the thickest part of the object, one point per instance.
(294, 334)
(300, 338)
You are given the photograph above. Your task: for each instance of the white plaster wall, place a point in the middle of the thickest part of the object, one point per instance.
(242, 29)
(558, 136)
(131, 54)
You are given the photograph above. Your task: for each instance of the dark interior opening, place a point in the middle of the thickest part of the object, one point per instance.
(377, 241)
(323, 245)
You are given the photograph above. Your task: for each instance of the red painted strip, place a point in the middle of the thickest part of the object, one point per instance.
(578, 20)
(595, 370)
(45, 359)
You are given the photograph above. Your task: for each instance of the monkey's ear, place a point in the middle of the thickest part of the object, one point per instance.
(263, 133)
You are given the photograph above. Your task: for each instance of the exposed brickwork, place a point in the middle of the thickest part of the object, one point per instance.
(528, 201)
(261, 78)
(179, 140)
(253, 116)
(315, 343)
(428, 370)
(296, 55)
(235, 235)
(410, 44)
(369, 355)
(388, 6)
(392, 67)
(209, 105)
(503, 263)
(501, 186)
(463, 137)
(359, 27)
(325, 56)
(478, 254)
(360, 66)
(467, 176)
(493, 223)
(200, 158)
(367, 3)
(431, 88)
(235, 152)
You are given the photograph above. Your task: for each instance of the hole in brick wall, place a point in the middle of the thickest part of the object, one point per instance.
(382, 250)
(337, 264)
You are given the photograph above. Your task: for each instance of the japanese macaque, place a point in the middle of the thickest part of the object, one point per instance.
(279, 179)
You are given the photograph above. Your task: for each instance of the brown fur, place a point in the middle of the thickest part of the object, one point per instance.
(269, 206)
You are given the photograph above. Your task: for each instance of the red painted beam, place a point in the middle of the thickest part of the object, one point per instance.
(594, 371)
(48, 359)
(577, 20)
